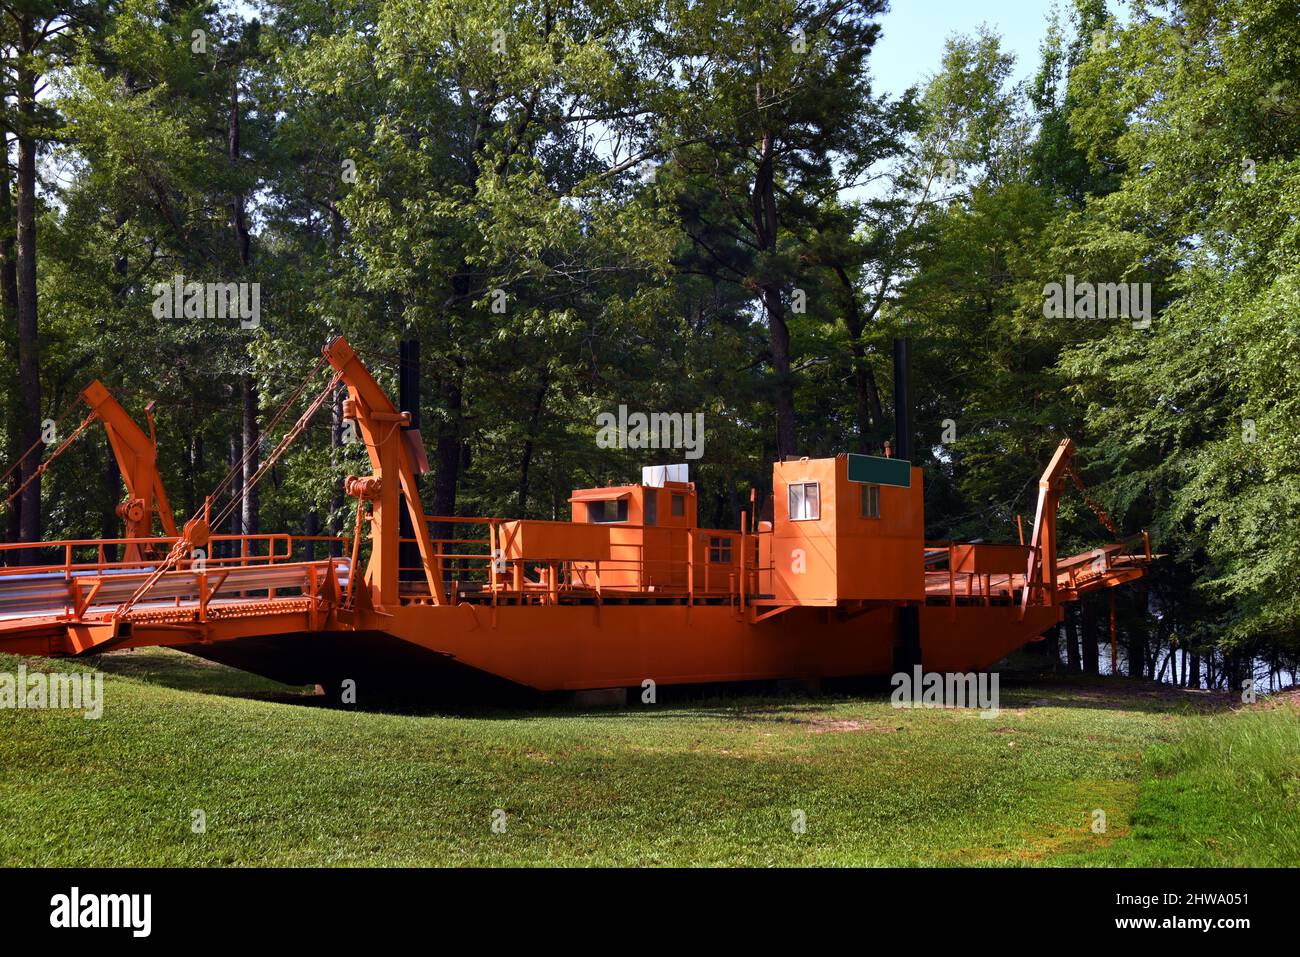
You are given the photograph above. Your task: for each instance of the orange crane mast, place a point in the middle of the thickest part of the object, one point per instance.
(137, 460)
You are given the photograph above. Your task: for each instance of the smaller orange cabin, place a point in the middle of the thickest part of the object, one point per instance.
(652, 529)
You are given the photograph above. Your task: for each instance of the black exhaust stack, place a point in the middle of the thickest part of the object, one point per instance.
(907, 642)
(902, 400)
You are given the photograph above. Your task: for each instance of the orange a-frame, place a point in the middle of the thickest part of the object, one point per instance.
(137, 460)
(629, 590)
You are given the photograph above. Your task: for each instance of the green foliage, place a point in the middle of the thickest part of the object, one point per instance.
(1199, 415)
(1219, 795)
(695, 207)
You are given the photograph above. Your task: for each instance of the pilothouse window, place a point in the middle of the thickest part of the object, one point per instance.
(805, 502)
(606, 512)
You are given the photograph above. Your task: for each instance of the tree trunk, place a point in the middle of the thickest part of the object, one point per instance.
(534, 419)
(250, 438)
(408, 401)
(238, 219)
(779, 340)
(193, 469)
(29, 376)
(9, 303)
(12, 528)
(108, 521)
(236, 490)
(1160, 675)
(1193, 671)
(1052, 648)
(335, 528)
(1137, 630)
(448, 455)
(866, 394)
(765, 230)
(1088, 630)
(1072, 639)
(249, 521)
(336, 459)
(311, 525)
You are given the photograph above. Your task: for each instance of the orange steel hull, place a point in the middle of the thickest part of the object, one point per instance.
(553, 648)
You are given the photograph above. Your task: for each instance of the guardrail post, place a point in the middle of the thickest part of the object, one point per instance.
(744, 526)
(690, 570)
(952, 584)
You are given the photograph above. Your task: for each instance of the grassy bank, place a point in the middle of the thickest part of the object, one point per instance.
(1181, 777)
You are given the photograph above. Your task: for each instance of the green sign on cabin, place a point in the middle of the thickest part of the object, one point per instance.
(875, 470)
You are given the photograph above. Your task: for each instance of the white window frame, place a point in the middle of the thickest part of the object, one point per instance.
(800, 513)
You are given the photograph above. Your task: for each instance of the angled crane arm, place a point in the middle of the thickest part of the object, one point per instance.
(1043, 544)
(394, 468)
(137, 460)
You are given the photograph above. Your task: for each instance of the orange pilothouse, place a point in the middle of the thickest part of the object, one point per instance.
(844, 529)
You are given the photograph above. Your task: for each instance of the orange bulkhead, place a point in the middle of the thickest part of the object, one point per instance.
(835, 539)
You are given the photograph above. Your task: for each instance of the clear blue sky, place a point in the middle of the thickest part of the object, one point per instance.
(914, 31)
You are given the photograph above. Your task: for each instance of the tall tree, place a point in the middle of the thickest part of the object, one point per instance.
(37, 36)
(485, 203)
(1194, 419)
(769, 117)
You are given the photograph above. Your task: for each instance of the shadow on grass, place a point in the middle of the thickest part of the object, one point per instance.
(1110, 694)
(181, 672)
(756, 702)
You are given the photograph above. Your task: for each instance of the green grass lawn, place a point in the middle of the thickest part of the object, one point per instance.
(1182, 778)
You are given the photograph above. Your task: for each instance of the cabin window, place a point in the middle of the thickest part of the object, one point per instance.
(871, 501)
(679, 506)
(611, 510)
(805, 502)
(650, 514)
(719, 550)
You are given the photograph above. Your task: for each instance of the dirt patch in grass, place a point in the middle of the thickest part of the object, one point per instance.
(829, 726)
(1290, 698)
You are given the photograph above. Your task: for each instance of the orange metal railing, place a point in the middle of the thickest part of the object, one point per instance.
(1075, 573)
(84, 576)
(944, 580)
(472, 565)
